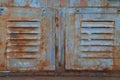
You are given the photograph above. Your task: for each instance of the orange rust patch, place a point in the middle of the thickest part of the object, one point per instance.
(2, 66)
(57, 21)
(83, 3)
(43, 64)
(43, 37)
(27, 4)
(70, 56)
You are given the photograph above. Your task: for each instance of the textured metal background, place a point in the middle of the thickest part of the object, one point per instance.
(60, 37)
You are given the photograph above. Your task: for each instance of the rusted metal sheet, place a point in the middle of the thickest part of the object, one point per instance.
(27, 39)
(91, 39)
(60, 3)
(65, 37)
(94, 3)
(66, 3)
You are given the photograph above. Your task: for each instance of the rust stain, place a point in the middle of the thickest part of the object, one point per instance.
(76, 64)
(57, 21)
(1, 42)
(61, 2)
(22, 30)
(43, 36)
(70, 56)
(27, 4)
(43, 64)
(43, 43)
(10, 2)
(83, 3)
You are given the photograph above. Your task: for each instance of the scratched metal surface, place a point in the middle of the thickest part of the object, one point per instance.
(60, 36)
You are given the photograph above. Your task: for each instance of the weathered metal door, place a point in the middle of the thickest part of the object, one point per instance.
(27, 39)
(92, 39)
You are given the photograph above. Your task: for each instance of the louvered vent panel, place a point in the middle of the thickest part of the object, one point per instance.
(23, 44)
(97, 39)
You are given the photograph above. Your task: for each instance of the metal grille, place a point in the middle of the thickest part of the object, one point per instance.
(97, 40)
(97, 37)
(23, 43)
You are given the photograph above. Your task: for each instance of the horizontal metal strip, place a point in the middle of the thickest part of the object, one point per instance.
(96, 48)
(20, 51)
(23, 30)
(23, 20)
(99, 33)
(17, 45)
(98, 45)
(21, 44)
(24, 33)
(98, 24)
(96, 42)
(23, 39)
(22, 48)
(22, 63)
(19, 57)
(97, 36)
(93, 64)
(97, 27)
(92, 10)
(24, 36)
(90, 39)
(23, 24)
(88, 32)
(94, 30)
(107, 51)
(101, 20)
(95, 55)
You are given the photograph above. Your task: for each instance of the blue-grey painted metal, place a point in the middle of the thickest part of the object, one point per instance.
(59, 35)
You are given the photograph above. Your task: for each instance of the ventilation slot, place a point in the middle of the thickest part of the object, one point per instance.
(24, 39)
(97, 39)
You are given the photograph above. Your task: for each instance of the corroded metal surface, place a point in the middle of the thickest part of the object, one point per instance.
(60, 36)
(30, 43)
(59, 78)
(91, 39)
(60, 3)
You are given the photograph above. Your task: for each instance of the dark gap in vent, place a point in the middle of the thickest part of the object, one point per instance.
(23, 58)
(96, 57)
(23, 21)
(23, 39)
(23, 33)
(99, 51)
(89, 39)
(23, 51)
(98, 45)
(97, 33)
(24, 27)
(97, 27)
(97, 21)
